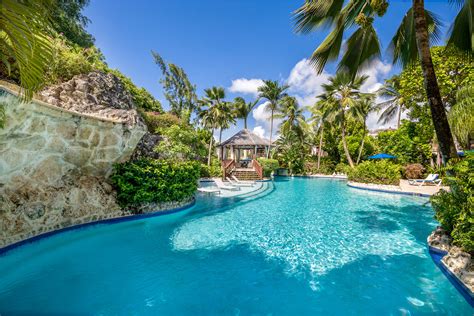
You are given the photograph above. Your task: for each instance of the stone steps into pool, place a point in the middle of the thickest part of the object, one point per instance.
(248, 174)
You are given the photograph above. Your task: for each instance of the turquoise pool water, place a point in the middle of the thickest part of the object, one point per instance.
(309, 247)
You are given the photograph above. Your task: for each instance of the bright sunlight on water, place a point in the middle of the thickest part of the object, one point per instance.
(310, 246)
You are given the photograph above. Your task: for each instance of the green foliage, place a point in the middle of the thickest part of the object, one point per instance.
(25, 44)
(214, 170)
(154, 181)
(409, 143)
(141, 97)
(453, 69)
(268, 165)
(157, 122)
(380, 172)
(455, 209)
(70, 60)
(291, 151)
(3, 116)
(178, 90)
(461, 116)
(67, 19)
(181, 143)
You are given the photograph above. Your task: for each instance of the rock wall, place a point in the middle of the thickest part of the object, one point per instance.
(55, 157)
(457, 261)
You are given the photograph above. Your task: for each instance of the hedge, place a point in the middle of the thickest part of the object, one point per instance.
(379, 172)
(153, 181)
(268, 165)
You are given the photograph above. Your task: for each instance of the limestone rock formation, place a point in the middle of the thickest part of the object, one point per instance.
(145, 148)
(96, 93)
(440, 239)
(458, 262)
(55, 158)
(461, 265)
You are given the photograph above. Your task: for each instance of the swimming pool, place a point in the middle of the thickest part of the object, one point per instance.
(309, 246)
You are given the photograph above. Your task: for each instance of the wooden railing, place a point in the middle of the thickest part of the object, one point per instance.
(258, 168)
(227, 167)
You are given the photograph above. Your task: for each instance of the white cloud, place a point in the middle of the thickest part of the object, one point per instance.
(246, 86)
(259, 130)
(260, 113)
(305, 83)
(377, 72)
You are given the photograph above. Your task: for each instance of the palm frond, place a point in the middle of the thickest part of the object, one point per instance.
(461, 33)
(312, 14)
(403, 45)
(25, 27)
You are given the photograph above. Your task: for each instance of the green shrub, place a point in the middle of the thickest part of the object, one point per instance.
(268, 165)
(455, 209)
(156, 122)
(380, 172)
(214, 170)
(342, 168)
(153, 181)
(70, 60)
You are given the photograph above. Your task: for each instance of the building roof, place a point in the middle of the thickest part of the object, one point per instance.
(246, 137)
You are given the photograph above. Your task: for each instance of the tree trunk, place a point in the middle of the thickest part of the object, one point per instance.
(210, 149)
(271, 133)
(399, 116)
(320, 146)
(344, 144)
(438, 112)
(361, 146)
(245, 122)
(220, 136)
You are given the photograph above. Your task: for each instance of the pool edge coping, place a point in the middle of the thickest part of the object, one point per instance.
(114, 220)
(355, 186)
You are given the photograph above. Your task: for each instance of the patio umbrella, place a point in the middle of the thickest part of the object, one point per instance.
(382, 156)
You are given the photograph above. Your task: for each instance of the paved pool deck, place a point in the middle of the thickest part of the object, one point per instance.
(403, 188)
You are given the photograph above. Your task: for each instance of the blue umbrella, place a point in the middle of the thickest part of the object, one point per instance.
(382, 156)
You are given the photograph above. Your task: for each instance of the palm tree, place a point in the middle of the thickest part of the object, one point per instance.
(318, 120)
(242, 109)
(342, 94)
(273, 92)
(24, 40)
(361, 111)
(292, 115)
(395, 103)
(461, 116)
(207, 118)
(410, 43)
(219, 111)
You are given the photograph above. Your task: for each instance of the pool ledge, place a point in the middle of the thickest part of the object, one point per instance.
(112, 220)
(385, 188)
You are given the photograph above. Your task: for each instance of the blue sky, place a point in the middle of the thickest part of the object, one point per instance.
(232, 43)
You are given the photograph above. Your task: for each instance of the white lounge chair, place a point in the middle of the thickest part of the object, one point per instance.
(432, 178)
(239, 184)
(209, 190)
(240, 181)
(221, 185)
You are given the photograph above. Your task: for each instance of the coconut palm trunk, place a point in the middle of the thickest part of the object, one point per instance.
(271, 133)
(245, 122)
(399, 116)
(210, 148)
(320, 147)
(344, 144)
(361, 146)
(438, 113)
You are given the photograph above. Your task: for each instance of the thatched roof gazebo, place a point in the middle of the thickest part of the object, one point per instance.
(245, 145)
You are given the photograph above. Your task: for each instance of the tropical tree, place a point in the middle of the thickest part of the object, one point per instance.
(178, 90)
(218, 113)
(395, 103)
(292, 115)
(318, 120)
(242, 109)
(273, 92)
(361, 111)
(24, 40)
(461, 116)
(342, 93)
(290, 149)
(410, 43)
(208, 120)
